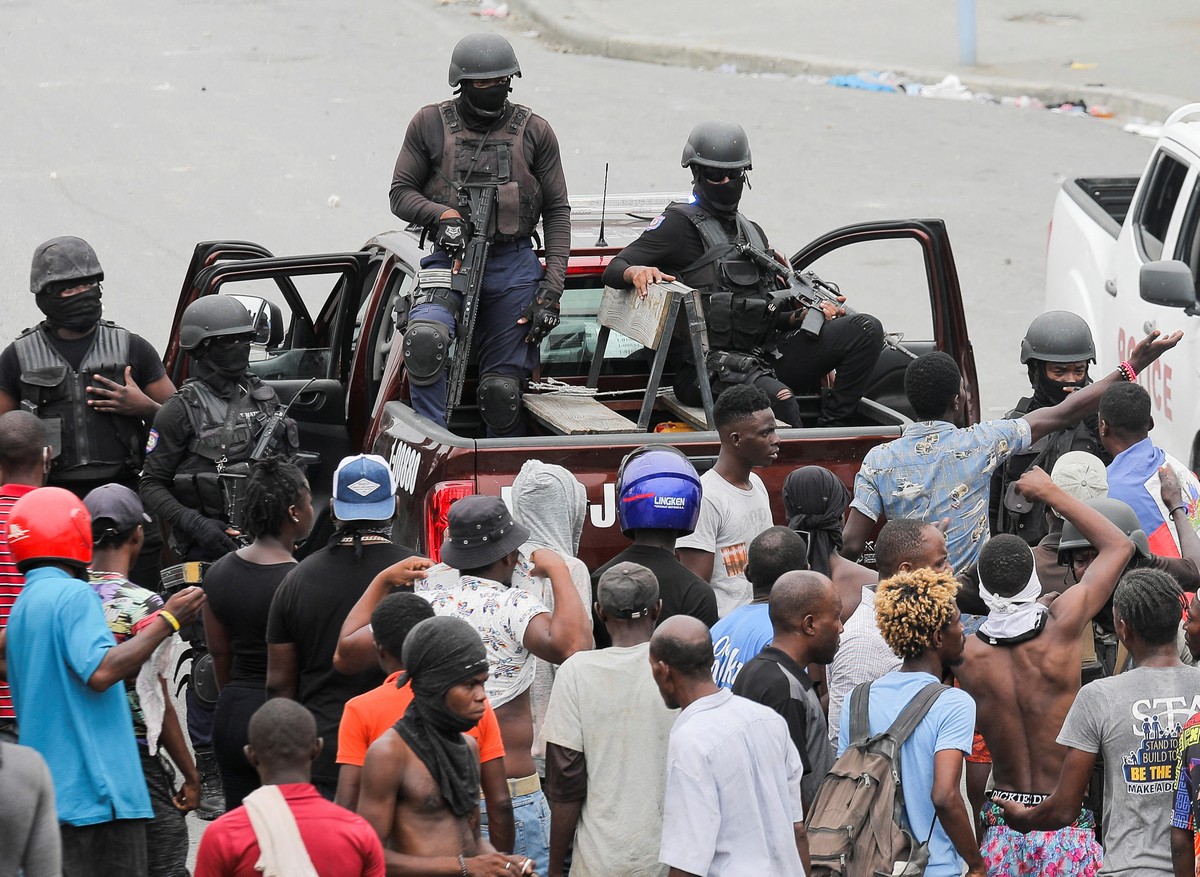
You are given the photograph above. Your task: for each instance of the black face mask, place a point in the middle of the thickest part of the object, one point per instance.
(78, 312)
(487, 102)
(1048, 392)
(230, 361)
(721, 198)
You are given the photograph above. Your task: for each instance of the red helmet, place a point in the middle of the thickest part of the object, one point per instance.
(50, 525)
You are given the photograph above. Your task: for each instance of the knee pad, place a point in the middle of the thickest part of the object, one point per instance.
(204, 678)
(426, 351)
(499, 398)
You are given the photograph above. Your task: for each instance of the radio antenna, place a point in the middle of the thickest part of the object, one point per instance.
(600, 241)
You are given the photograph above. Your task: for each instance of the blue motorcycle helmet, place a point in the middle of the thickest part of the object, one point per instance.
(658, 489)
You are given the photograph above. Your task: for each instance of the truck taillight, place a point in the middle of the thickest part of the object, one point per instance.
(437, 508)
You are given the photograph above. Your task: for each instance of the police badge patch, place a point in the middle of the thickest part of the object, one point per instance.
(658, 220)
(152, 440)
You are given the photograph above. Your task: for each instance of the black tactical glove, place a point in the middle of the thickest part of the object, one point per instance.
(542, 314)
(208, 534)
(452, 236)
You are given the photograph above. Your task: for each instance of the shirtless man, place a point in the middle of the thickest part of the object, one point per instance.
(482, 542)
(420, 780)
(1022, 668)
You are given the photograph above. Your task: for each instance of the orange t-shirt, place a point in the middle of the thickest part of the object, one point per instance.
(367, 716)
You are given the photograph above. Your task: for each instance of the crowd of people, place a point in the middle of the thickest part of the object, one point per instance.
(979, 657)
(693, 706)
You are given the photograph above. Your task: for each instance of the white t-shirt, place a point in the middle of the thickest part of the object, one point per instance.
(500, 615)
(730, 518)
(605, 704)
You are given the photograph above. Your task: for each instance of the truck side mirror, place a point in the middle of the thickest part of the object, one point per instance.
(267, 317)
(1168, 283)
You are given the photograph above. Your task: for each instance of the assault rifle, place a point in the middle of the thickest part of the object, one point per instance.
(268, 438)
(480, 203)
(810, 289)
(232, 478)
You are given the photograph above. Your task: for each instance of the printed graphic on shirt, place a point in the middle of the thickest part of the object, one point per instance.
(906, 489)
(927, 444)
(734, 558)
(727, 662)
(1187, 767)
(1150, 769)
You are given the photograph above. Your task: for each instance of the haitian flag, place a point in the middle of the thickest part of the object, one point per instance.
(1133, 478)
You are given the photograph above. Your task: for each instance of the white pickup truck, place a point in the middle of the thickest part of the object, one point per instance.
(1124, 253)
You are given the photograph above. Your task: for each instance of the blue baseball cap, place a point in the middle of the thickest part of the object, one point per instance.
(364, 489)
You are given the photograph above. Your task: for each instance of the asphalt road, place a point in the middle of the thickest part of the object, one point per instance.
(147, 127)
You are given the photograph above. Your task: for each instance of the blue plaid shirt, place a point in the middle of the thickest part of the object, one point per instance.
(936, 470)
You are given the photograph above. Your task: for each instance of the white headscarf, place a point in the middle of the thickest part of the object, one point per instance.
(1013, 617)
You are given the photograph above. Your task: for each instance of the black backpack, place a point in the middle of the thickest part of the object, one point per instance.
(857, 826)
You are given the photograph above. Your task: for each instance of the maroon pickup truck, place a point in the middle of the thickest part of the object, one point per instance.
(327, 342)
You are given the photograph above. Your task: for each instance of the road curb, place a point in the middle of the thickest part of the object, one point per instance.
(582, 34)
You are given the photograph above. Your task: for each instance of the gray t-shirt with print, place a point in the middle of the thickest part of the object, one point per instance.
(1133, 720)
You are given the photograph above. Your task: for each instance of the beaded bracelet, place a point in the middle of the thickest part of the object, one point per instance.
(1127, 371)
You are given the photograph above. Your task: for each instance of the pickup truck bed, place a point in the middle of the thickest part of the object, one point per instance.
(1105, 199)
(342, 365)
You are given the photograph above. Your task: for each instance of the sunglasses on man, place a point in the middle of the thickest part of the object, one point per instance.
(722, 174)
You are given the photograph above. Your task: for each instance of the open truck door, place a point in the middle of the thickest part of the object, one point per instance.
(903, 272)
(306, 359)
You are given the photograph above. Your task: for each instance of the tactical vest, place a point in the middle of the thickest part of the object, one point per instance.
(500, 162)
(1013, 514)
(88, 445)
(223, 435)
(739, 302)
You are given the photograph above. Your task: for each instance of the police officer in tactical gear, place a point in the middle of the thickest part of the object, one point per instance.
(753, 323)
(212, 423)
(1056, 350)
(210, 426)
(95, 385)
(479, 138)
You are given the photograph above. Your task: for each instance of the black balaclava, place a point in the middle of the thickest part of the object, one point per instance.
(439, 653)
(222, 368)
(721, 198)
(814, 500)
(77, 313)
(1046, 392)
(232, 361)
(483, 106)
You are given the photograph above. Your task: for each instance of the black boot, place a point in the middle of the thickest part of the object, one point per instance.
(212, 796)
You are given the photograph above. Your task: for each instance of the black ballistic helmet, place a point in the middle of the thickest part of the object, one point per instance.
(62, 260)
(213, 316)
(1120, 515)
(717, 144)
(483, 56)
(1058, 336)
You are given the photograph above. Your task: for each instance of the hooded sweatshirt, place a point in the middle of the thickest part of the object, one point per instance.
(552, 504)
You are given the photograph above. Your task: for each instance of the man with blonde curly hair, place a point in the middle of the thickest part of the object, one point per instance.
(919, 620)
